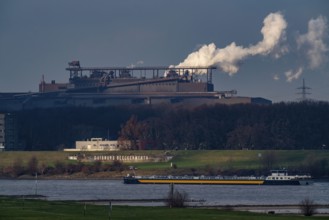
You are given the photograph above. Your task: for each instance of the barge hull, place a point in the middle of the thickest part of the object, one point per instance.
(288, 182)
(192, 181)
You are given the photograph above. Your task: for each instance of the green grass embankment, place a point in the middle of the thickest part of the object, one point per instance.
(200, 161)
(19, 209)
(239, 159)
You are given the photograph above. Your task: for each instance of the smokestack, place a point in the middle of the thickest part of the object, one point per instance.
(42, 84)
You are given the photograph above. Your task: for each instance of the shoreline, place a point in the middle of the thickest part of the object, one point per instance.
(65, 177)
(95, 176)
(322, 209)
(91, 177)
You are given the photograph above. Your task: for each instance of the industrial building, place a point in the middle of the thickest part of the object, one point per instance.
(8, 132)
(112, 86)
(105, 86)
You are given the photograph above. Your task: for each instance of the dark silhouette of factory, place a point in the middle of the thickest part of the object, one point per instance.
(106, 86)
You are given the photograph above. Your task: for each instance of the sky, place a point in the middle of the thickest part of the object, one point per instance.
(260, 48)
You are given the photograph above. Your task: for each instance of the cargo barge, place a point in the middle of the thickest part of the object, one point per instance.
(277, 177)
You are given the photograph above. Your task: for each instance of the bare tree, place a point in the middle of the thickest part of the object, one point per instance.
(176, 199)
(131, 132)
(32, 165)
(307, 207)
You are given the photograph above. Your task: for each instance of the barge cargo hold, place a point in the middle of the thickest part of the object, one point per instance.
(277, 177)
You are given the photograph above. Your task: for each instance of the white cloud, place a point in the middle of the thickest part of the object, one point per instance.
(313, 42)
(291, 75)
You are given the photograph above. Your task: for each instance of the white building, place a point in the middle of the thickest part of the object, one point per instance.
(95, 144)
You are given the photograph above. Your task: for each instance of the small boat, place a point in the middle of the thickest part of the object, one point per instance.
(277, 177)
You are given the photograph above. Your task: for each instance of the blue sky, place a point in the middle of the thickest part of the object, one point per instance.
(39, 37)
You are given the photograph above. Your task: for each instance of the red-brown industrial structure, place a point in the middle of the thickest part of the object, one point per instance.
(104, 86)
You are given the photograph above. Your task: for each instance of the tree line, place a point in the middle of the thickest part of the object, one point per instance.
(296, 125)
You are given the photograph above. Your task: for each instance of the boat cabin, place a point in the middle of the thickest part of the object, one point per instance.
(283, 175)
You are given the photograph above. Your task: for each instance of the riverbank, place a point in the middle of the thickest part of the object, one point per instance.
(321, 210)
(98, 176)
(77, 176)
(55, 164)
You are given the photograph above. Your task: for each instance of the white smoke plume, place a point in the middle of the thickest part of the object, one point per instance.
(291, 75)
(228, 58)
(313, 42)
(133, 65)
(276, 77)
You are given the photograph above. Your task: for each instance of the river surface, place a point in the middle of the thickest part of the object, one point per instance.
(205, 194)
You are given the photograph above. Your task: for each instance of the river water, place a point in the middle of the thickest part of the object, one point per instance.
(205, 194)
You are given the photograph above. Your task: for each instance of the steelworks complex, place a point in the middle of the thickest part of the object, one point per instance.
(99, 87)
